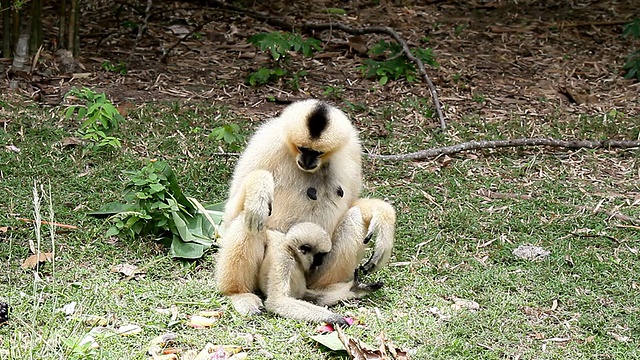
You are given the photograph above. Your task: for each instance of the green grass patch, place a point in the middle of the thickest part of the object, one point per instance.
(581, 302)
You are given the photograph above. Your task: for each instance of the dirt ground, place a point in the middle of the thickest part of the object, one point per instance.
(498, 59)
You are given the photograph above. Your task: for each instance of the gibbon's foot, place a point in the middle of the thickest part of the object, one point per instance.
(247, 304)
(362, 287)
(338, 320)
(371, 286)
(370, 265)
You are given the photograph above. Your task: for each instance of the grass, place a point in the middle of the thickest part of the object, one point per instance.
(581, 302)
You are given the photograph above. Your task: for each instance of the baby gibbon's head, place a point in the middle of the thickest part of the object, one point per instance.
(310, 243)
(314, 130)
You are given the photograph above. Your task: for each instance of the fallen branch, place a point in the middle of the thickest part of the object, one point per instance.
(308, 26)
(491, 144)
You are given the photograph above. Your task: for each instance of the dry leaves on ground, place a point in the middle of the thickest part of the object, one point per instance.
(34, 260)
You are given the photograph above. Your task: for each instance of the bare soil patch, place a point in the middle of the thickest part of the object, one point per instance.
(497, 59)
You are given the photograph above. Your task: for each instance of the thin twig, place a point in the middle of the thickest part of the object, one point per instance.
(197, 28)
(141, 29)
(64, 226)
(491, 144)
(309, 26)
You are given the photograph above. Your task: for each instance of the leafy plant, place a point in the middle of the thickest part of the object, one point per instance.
(397, 66)
(333, 91)
(156, 206)
(119, 68)
(294, 82)
(230, 134)
(479, 98)
(100, 119)
(632, 64)
(265, 76)
(78, 350)
(278, 45)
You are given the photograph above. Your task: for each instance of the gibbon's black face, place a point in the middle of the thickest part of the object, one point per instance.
(317, 122)
(308, 159)
(318, 259)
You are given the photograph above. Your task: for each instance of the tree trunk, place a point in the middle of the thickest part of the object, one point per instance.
(7, 42)
(62, 25)
(73, 44)
(35, 26)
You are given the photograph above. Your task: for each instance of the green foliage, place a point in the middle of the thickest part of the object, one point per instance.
(479, 98)
(155, 206)
(100, 119)
(294, 82)
(632, 29)
(230, 134)
(333, 91)
(336, 11)
(398, 66)
(265, 76)
(632, 64)
(279, 44)
(78, 350)
(119, 68)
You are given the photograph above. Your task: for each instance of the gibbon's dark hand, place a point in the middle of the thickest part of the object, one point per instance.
(367, 288)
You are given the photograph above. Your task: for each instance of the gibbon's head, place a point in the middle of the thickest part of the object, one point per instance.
(313, 131)
(309, 243)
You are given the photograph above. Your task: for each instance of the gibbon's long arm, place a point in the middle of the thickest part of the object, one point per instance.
(301, 310)
(338, 292)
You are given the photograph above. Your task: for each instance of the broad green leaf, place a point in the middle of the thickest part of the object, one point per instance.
(157, 187)
(174, 188)
(69, 112)
(215, 207)
(113, 231)
(194, 229)
(141, 195)
(184, 250)
(330, 340)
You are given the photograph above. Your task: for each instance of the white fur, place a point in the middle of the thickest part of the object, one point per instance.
(267, 175)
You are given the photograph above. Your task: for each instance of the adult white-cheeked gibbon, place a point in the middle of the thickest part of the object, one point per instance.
(287, 262)
(301, 166)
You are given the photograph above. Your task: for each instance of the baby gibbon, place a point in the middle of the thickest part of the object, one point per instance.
(301, 166)
(288, 259)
